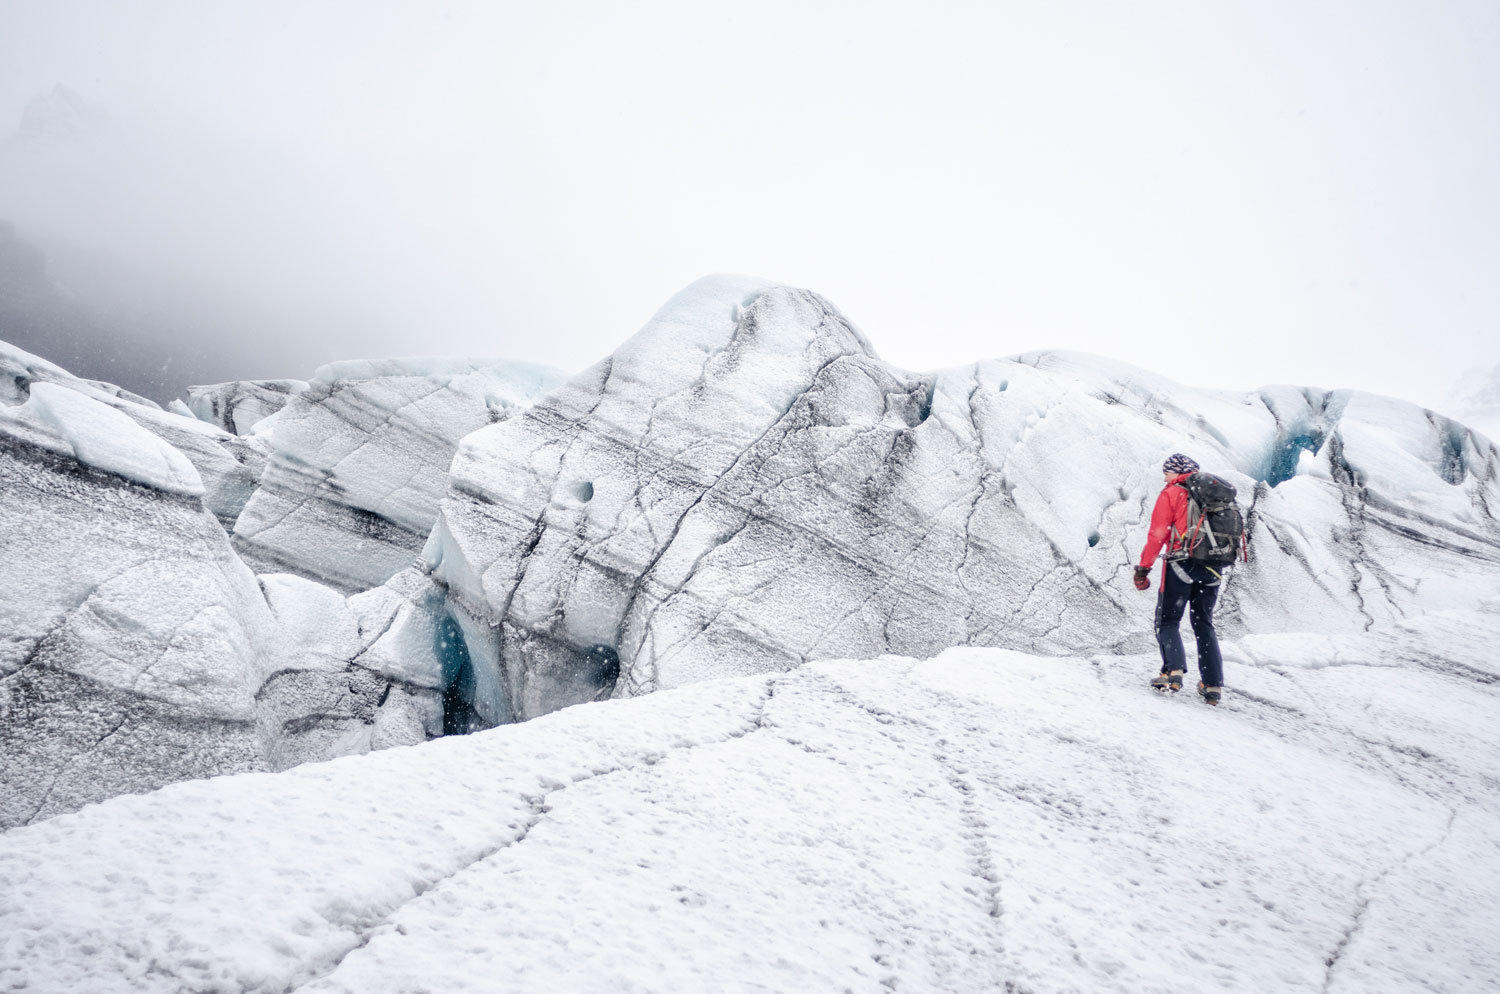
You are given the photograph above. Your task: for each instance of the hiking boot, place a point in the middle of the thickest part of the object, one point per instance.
(1210, 695)
(1164, 683)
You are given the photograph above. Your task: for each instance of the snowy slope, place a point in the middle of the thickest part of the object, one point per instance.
(983, 821)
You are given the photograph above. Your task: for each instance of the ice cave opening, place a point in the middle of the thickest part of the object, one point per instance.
(1282, 465)
(459, 714)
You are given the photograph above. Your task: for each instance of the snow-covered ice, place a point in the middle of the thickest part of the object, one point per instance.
(227, 465)
(985, 820)
(101, 437)
(136, 648)
(130, 633)
(237, 407)
(360, 460)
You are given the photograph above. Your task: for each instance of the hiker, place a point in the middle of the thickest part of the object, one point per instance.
(1187, 581)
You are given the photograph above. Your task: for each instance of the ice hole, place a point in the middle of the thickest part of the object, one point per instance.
(21, 391)
(584, 491)
(1093, 539)
(602, 670)
(1283, 462)
(1454, 466)
(924, 406)
(459, 715)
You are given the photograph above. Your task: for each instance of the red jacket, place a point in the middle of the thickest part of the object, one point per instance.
(1171, 511)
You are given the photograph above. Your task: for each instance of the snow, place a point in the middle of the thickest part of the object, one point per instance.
(983, 820)
(102, 437)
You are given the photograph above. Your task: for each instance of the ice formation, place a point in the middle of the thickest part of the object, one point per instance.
(227, 465)
(239, 406)
(744, 487)
(136, 648)
(101, 437)
(359, 462)
(128, 628)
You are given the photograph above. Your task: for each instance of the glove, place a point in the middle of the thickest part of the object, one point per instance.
(1143, 578)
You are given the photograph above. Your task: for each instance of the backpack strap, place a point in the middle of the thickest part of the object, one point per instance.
(1189, 539)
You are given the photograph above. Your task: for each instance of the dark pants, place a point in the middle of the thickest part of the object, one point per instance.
(1197, 593)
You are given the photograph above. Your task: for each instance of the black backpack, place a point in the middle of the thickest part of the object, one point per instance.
(1215, 529)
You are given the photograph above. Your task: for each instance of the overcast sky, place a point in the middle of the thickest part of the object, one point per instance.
(1230, 194)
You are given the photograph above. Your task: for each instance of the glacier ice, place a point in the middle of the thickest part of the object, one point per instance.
(101, 437)
(136, 648)
(130, 633)
(237, 407)
(359, 461)
(744, 486)
(326, 695)
(227, 465)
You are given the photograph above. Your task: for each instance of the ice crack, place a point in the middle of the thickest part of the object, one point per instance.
(1364, 899)
(371, 928)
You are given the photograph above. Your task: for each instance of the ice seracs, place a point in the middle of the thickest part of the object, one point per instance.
(136, 648)
(745, 486)
(237, 407)
(359, 461)
(334, 688)
(131, 636)
(101, 437)
(227, 465)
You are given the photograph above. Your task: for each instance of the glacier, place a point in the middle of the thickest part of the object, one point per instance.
(128, 627)
(793, 650)
(439, 545)
(744, 486)
(228, 465)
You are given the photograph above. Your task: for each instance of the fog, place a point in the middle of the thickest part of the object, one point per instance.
(1256, 193)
